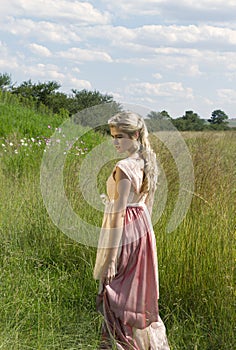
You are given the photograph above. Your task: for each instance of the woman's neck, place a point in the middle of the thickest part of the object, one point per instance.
(133, 155)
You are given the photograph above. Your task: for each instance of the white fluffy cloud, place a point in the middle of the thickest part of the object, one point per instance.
(129, 8)
(42, 71)
(78, 83)
(76, 11)
(41, 30)
(162, 89)
(227, 96)
(147, 38)
(81, 55)
(40, 50)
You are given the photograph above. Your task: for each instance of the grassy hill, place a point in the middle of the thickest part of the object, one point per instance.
(47, 297)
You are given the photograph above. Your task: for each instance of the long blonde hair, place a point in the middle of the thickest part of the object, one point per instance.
(131, 123)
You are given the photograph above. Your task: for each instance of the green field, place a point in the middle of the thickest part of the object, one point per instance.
(47, 297)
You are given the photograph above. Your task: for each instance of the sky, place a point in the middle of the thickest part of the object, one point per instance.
(162, 54)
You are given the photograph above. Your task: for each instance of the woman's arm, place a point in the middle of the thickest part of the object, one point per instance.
(122, 190)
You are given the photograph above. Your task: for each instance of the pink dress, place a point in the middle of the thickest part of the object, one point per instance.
(129, 303)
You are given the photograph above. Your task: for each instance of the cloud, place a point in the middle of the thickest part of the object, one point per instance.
(48, 72)
(76, 11)
(78, 83)
(157, 76)
(150, 38)
(8, 64)
(7, 61)
(43, 71)
(81, 55)
(167, 89)
(127, 8)
(227, 96)
(41, 30)
(166, 10)
(185, 36)
(40, 50)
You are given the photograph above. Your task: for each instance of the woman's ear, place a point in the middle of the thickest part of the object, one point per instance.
(136, 135)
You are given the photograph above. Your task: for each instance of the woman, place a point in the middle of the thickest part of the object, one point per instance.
(126, 262)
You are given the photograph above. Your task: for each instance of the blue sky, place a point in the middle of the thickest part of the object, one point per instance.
(163, 54)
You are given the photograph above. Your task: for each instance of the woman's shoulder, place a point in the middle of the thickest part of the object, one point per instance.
(132, 167)
(127, 164)
(130, 162)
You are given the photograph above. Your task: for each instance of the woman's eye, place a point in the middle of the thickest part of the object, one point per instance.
(117, 136)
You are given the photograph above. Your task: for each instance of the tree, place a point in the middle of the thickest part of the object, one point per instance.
(39, 92)
(84, 99)
(190, 121)
(5, 81)
(58, 102)
(157, 121)
(218, 119)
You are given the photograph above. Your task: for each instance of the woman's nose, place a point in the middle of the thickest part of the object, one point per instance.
(115, 141)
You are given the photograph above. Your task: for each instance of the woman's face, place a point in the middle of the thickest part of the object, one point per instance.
(122, 141)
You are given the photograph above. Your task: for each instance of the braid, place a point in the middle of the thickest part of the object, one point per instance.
(149, 157)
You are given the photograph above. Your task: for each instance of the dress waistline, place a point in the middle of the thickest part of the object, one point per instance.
(140, 204)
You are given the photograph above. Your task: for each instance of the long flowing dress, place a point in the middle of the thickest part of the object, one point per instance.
(129, 303)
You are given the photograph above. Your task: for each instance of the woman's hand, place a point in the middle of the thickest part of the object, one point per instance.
(109, 273)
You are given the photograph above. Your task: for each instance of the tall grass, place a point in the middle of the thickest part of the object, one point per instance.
(47, 298)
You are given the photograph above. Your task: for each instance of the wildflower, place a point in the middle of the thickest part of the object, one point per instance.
(16, 152)
(49, 126)
(11, 144)
(3, 145)
(32, 139)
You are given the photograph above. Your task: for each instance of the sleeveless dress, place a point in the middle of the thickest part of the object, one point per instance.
(129, 303)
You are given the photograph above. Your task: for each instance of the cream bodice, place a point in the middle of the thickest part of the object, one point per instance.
(134, 170)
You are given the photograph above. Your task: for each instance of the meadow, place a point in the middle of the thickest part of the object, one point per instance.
(47, 297)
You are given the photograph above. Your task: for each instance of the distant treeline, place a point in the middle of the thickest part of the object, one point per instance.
(46, 95)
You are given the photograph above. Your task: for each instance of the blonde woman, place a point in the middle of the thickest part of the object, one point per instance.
(126, 262)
